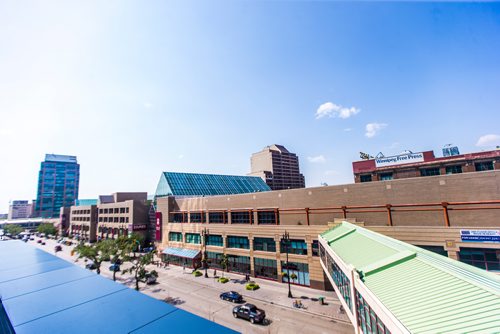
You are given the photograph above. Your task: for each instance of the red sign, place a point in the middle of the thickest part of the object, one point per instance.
(158, 226)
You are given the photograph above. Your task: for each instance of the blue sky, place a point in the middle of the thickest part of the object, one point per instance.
(135, 88)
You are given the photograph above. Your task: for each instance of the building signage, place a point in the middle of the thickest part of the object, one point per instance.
(480, 235)
(407, 158)
(139, 227)
(158, 226)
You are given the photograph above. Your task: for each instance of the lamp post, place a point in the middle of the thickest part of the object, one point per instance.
(205, 233)
(286, 240)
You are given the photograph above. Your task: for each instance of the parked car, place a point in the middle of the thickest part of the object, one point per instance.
(232, 296)
(43, 243)
(39, 241)
(148, 249)
(150, 279)
(32, 238)
(57, 248)
(91, 266)
(114, 267)
(249, 312)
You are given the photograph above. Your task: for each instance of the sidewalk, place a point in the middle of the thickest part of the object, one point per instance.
(270, 292)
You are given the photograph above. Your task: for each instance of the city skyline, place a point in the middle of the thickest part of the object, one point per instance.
(184, 86)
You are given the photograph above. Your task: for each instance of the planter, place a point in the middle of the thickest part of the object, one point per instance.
(223, 280)
(252, 286)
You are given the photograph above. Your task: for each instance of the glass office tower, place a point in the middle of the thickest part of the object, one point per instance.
(58, 183)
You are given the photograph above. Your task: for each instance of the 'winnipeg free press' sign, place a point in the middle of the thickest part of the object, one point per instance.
(399, 159)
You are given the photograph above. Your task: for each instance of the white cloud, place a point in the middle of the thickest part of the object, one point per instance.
(488, 140)
(318, 159)
(373, 128)
(331, 110)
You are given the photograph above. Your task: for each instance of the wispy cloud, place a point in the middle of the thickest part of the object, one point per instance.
(488, 140)
(318, 159)
(373, 128)
(331, 110)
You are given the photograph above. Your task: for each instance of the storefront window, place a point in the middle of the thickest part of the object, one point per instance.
(239, 264)
(301, 270)
(484, 258)
(265, 268)
(238, 242)
(215, 240)
(214, 260)
(175, 236)
(193, 238)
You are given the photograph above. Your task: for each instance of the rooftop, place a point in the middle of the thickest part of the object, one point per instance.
(427, 292)
(60, 158)
(41, 293)
(190, 184)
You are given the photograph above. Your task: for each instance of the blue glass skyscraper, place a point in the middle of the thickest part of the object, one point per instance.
(58, 183)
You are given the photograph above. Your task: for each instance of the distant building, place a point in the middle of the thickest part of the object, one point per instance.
(410, 165)
(58, 184)
(20, 209)
(278, 167)
(192, 185)
(3, 216)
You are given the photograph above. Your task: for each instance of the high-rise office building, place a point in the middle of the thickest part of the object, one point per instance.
(58, 184)
(278, 167)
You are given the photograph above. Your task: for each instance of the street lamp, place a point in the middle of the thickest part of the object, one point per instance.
(205, 233)
(286, 240)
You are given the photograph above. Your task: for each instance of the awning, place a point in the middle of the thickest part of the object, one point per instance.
(181, 252)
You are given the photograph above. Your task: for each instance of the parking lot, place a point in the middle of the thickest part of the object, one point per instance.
(200, 295)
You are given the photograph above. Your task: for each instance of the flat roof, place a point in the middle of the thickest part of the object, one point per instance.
(43, 293)
(426, 292)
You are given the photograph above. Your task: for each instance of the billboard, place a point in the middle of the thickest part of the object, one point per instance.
(158, 226)
(406, 158)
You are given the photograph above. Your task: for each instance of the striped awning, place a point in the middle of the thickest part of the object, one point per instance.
(181, 252)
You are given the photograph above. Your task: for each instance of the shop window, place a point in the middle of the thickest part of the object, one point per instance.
(265, 268)
(294, 247)
(239, 264)
(175, 236)
(484, 258)
(215, 240)
(385, 176)
(301, 271)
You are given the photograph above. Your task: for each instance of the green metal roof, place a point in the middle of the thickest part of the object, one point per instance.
(427, 292)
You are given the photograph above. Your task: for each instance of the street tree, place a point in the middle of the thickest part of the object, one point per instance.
(224, 263)
(47, 229)
(138, 268)
(119, 251)
(12, 229)
(97, 253)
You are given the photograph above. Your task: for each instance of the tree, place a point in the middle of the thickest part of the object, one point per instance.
(97, 253)
(138, 268)
(47, 229)
(137, 240)
(12, 229)
(224, 263)
(119, 251)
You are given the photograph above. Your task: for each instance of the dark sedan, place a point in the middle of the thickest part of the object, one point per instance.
(232, 296)
(249, 312)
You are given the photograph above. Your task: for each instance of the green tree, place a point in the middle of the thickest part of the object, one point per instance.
(224, 263)
(138, 268)
(137, 241)
(97, 253)
(47, 229)
(12, 229)
(119, 251)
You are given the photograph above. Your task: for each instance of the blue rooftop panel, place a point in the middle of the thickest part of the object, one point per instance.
(191, 184)
(104, 315)
(32, 283)
(182, 322)
(31, 269)
(44, 302)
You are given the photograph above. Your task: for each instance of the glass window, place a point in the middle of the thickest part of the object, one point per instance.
(214, 260)
(454, 169)
(429, 171)
(368, 320)
(266, 268)
(484, 258)
(217, 217)
(295, 246)
(197, 217)
(242, 217)
(482, 166)
(193, 238)
(268, 217)
(365, 178)
(341, 280)
(315, 248)
(175, 236)
(385, 176)
(178, 217)
(301, 271)
(264, 244)
(215, 240)
(436, 249)
(239, 264)
(238, 242)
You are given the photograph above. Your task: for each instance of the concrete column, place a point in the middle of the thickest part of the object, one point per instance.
(252, 264)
